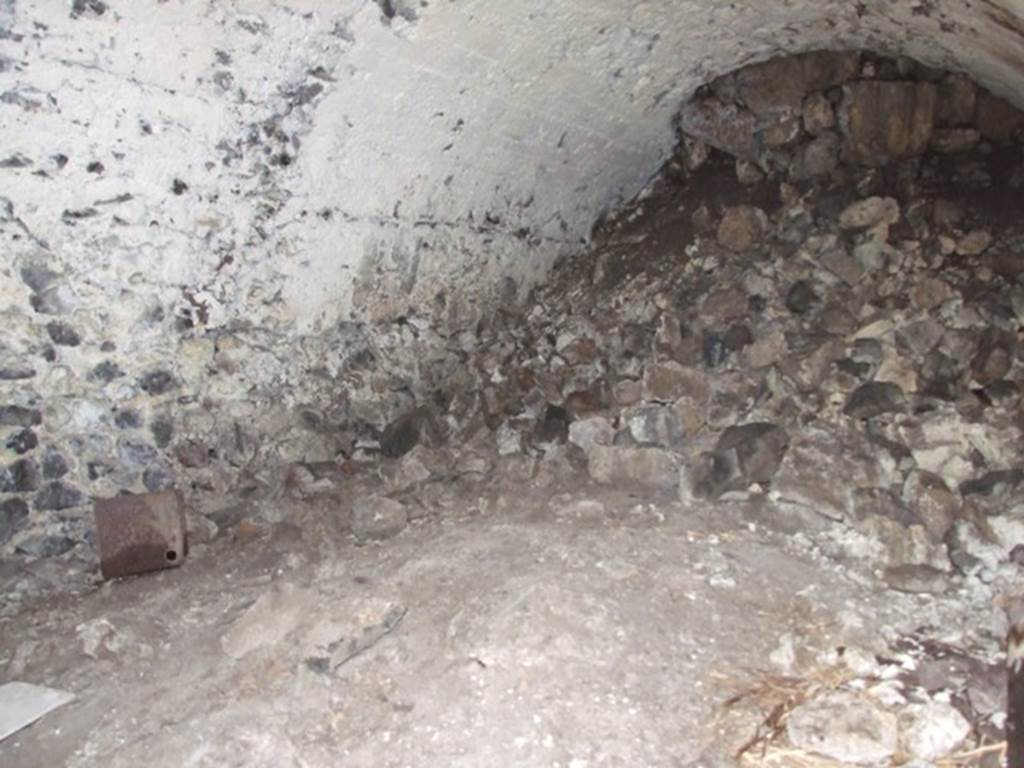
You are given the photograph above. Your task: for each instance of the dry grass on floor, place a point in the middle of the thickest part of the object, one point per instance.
(778, 696)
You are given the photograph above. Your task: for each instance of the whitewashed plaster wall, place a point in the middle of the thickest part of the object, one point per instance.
(265, 219)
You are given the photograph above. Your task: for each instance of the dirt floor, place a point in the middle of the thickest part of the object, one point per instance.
(548, 626)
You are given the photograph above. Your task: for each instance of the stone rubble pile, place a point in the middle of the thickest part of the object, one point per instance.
(817, 309)
(843, 345)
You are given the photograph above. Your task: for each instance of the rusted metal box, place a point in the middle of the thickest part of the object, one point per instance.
(137, 533)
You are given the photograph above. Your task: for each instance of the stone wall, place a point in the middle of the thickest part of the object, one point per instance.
(243, 233)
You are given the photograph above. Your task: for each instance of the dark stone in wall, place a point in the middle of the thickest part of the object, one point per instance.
(158, 478)
(98, 469)
(162, 429)
(62, 334)
(997, 483)
(128, 419)
(874, 399)
(13, 516)
(714, 350)
(16, 374)
(136, 455)
(45, 546)
(48, 303)
(20, 477)
(55, 466)
(106, 371)
(58, 495)
(37, 277)
(886, 121)
(87, 8)
(18, 416)
(157, 382)
(23, 441)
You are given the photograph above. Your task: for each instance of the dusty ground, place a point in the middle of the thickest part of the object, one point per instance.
(545, 627)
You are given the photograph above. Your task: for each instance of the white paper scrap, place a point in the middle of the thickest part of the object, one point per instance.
(22, 704)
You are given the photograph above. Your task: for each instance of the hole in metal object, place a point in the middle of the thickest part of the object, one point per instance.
(171, 555)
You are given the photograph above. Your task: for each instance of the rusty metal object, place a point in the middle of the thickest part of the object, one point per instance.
(137, 533)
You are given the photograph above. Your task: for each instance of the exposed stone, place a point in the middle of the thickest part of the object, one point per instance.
(58, 495)
(588, 432)
(23, 441)
(158, 477)
(21, 476)
(45, 545)
(16, 373)
(654, 424)
(783, 132)
(816, 158)
(932, 501)
(884, 121)
(269, 620)
(162, 429)
(193, 454)
(62, 334)
(378, 518)
(128, 419)
(930, 292)
(816, 453)
(782, 84)
(818, 114)
(868, 213)
(932, 730)
(844, 726)
(801, 298)
(19, 416)
(37, 276)
(956, 101)
(55, 466)
(741, 228)
(875, 399)
(916, 579)
(748, 174)
(952, 141)
(995, 483)
(997, 119)
(650, 467)
(667, 382)
(974, 243)
(727, 127)
(106, 371)
(157, 382)
(13, 517)
(994, 356)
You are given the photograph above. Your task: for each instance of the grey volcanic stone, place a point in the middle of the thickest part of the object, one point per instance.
(157, 382)
(13, 516)
(58, 495)
(23, 441)
(377, 518)
(18, 416)
(20, 477)
(62, 334)
(875, 399)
